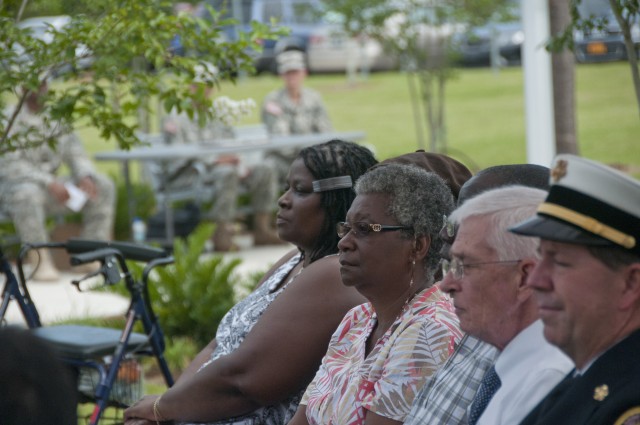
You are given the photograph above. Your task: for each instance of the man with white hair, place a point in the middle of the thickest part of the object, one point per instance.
(486, 277)
(587, 285)
(446, 397)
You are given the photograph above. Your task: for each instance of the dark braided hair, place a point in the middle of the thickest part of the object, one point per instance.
(335, 158)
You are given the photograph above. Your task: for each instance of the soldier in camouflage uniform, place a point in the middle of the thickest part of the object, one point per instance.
(293, 109)
(30, 187)
(225, 174)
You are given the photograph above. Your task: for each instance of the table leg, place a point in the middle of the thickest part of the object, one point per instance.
(169, 227)
(130, 197)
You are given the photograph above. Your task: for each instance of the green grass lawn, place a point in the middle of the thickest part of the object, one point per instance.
(484, 113)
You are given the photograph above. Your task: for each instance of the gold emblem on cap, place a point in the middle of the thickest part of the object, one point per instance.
(559, 171)
(601, 392)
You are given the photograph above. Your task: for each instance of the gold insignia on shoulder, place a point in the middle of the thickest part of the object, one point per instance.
(601, 392)
(559, 170)
(630, 417)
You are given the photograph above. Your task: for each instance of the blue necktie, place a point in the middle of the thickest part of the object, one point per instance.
(489, 385)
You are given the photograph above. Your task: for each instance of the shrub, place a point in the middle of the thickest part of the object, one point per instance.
(191, 296)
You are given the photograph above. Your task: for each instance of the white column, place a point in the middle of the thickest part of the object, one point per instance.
(538, 84)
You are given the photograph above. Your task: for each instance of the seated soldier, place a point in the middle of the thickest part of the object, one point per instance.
(292, 109)
(225, 173)
(30, 186)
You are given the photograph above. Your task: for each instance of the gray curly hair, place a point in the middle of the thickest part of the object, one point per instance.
(418, 199)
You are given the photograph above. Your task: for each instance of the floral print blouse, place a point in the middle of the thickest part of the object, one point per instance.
(348, 384)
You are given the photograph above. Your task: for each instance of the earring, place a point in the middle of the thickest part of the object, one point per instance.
(413, 267)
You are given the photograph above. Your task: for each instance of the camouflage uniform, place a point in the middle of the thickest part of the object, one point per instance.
(260, 179)
(282, 116)
(26, 173)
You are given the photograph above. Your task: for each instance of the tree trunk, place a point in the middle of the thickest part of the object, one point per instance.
(563, 74)
(625, 26)
(431, 109)
(415, 106)
(432, 85)
(442, 129)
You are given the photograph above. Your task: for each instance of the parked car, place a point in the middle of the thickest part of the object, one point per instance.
(498, 42)
(317, 33)
(606, 43)
(474, 47)
(331, 49)
(298, 16)
(44, 28)
(320, 34)
(420, 37)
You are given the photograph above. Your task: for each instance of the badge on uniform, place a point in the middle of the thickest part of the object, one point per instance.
(601, 392)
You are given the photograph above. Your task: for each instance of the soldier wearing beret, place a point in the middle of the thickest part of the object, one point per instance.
(587, 286)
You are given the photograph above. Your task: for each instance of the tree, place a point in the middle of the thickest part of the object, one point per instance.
(626, 12)
(127, 44)
(563, 72)
(419, 33)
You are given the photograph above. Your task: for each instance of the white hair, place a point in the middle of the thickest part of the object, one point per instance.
(505, 207)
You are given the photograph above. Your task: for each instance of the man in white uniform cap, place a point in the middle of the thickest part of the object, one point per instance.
(587, 286)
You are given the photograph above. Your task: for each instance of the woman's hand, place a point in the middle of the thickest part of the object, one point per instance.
(141, 410)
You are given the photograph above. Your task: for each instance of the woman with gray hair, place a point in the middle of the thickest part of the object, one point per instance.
(384, 350)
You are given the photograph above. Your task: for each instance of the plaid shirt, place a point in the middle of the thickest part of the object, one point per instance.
(445, 397)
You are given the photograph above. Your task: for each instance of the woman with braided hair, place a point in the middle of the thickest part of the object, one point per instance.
(269, 346)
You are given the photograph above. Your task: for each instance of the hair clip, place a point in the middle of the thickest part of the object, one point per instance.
(332, 183)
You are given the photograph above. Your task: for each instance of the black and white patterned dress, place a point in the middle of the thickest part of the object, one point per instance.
(232, 331)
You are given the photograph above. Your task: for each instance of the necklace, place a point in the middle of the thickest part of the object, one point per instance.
(292, 278)
(383, 331)
(405, 304)
(295, 276)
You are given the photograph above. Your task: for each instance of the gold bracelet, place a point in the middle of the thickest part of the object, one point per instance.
(156, 411)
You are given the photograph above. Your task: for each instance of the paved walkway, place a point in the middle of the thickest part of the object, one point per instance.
(60, 300)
